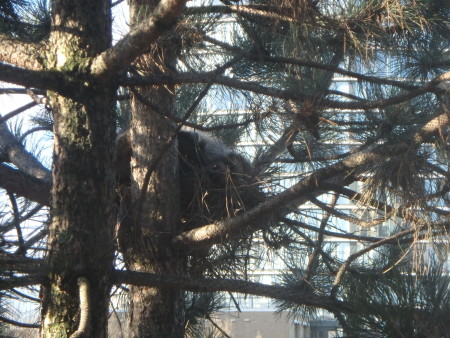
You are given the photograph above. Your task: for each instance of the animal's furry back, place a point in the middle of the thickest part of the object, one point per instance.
(215, 182)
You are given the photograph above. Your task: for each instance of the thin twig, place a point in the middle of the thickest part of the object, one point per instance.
(33, 130)
(353, 257)
(319, 242)
(19, 324)
(217, 326)
(17, 111)
(16, 215)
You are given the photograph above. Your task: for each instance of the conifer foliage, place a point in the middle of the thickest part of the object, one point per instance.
(310, 133)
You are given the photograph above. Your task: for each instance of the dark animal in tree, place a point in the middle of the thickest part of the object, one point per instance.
(215, 182)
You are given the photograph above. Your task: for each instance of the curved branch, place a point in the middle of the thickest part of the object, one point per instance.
(20, 53)
(19, 324)
(230, 285)
(344, 267)
(118, 57)
(33, 130)
(25, 296)
(85, 308)
(17, 111)
(254, 10)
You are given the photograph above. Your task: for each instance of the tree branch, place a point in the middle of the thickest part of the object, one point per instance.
(251, 220)
(345, 216)
(5, 227)
(17, 111)
(318, 249)
(25, 185)
(258, 57)
(386, 208)
(16, 221)
(21, 54)
(254, 10)
(117, 58)
(194, 78)
(44, 80)
(17, 282)
(299, 224)
(33, 240)
(213, 323)
(355, 255)
(21, 158)
(256, 87)
(219, 70)
(230, 285)
(20, 91)
(85, 308)
(19, 324)
(19, 264)
(33, 130)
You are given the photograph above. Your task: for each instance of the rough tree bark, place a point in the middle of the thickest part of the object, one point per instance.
(76, 67)
(81, 236)
(155, 217)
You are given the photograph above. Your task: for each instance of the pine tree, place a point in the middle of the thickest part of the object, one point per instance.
(341, 102)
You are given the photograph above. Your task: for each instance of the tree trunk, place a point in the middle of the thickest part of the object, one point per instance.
(146, 239)
(155, 219)
(80, 239)
(82, 208)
